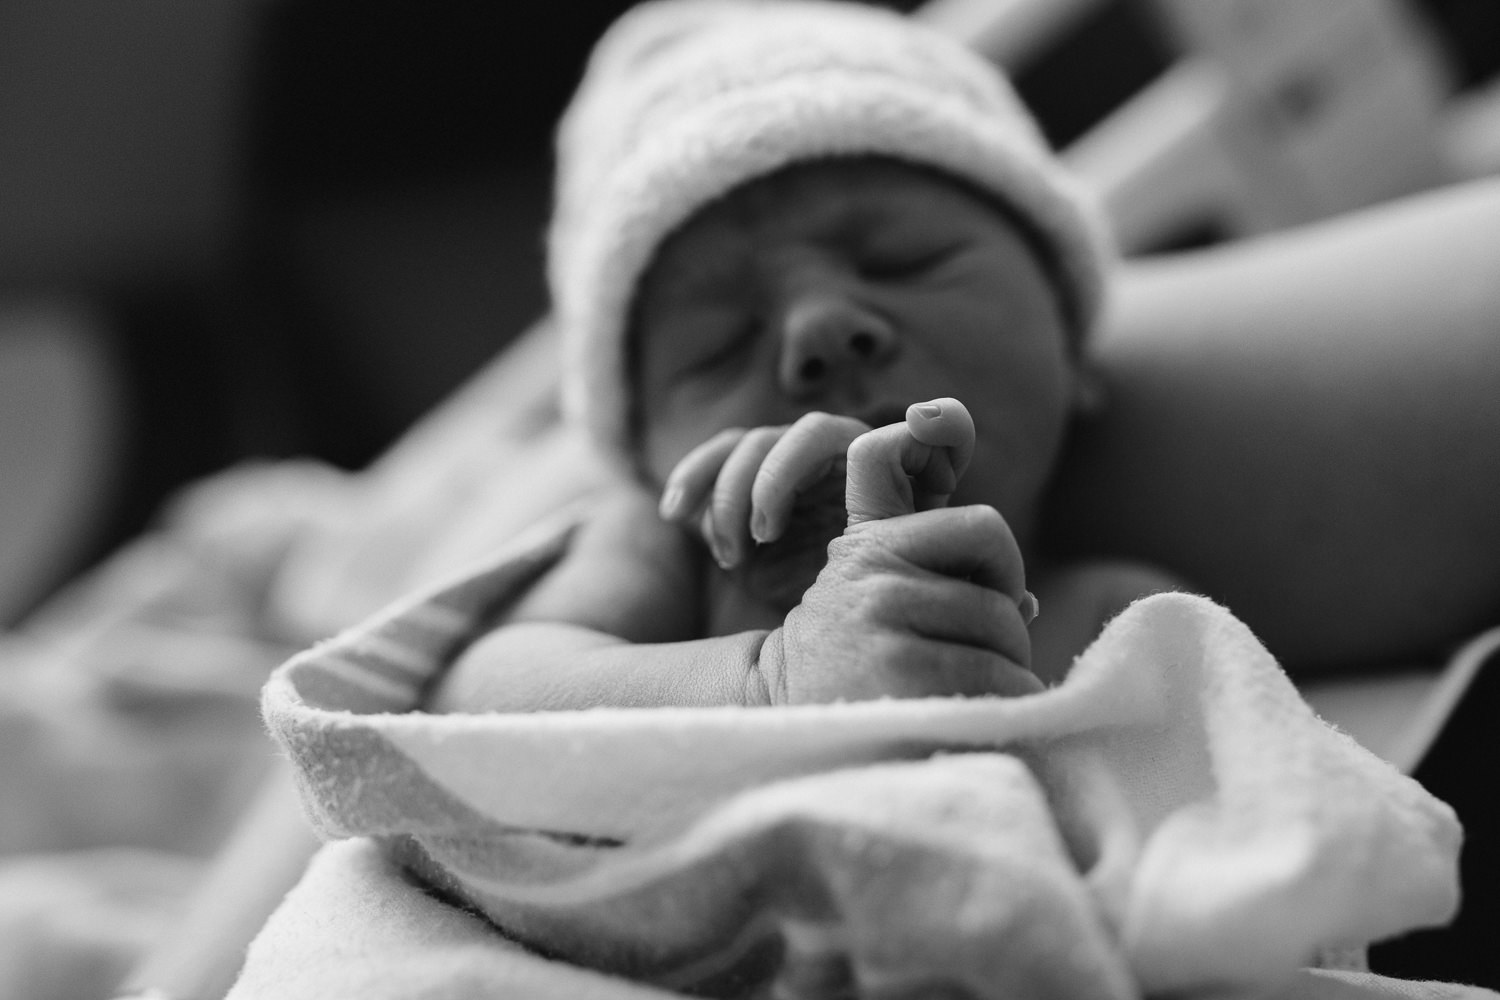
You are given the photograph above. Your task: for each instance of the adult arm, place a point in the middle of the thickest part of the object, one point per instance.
(1306, 426)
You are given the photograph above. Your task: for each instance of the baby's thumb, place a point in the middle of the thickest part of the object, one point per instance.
(877, 484)
(903, 468)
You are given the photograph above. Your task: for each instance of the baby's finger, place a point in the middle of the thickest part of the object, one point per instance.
(811, 449)
(690, 482)
(878, 485)
(729, 505)
(972, 672)
(964, 613)
(944, 423)
(912, 466)
(946, 426)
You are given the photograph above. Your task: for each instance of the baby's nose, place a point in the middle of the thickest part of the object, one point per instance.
(828, 340)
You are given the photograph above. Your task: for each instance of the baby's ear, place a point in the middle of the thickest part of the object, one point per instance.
(1090, 394)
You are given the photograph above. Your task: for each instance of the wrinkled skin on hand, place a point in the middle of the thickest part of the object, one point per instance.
(842, 528)
(927, 604)
(769, 500)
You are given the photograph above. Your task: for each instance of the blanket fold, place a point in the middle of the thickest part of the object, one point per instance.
(1172, 818)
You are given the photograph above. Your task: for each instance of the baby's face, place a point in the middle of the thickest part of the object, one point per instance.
(855, 287)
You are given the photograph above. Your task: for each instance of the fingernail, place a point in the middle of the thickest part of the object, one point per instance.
(719, 547)
(929, 410)
(1030, 607)
(760, 529)
(671, 500)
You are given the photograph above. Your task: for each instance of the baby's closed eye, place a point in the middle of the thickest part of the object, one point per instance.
(893, 262)
(719, 343)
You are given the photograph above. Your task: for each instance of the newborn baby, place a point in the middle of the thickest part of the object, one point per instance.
(825, 298)
(827, 294)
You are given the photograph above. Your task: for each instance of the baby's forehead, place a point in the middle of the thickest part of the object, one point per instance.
(852, 191)
(845, 203)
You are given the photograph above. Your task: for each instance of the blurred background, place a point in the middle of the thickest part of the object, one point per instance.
(261, 228)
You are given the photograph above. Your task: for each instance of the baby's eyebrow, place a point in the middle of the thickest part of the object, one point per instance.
(855, 223)
(880, 228)
(683, 275)
(869, 212)
(876, 213)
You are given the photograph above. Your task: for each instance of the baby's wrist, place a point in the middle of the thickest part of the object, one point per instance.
(765, 682)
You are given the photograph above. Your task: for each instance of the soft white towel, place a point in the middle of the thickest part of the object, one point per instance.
(356, 927)
(1172, 818)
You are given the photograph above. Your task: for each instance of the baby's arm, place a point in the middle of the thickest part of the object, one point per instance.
(905, 607)
(627, 578)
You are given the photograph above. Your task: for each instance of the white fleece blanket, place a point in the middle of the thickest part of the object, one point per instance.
(1171, 819)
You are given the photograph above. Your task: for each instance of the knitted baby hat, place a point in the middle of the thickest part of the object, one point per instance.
(684, 100)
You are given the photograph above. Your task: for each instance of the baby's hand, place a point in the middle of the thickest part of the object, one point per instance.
(927, 605)
(910, 606)
(895, 606)
(905, 468)
(742, 486)
(767, 501)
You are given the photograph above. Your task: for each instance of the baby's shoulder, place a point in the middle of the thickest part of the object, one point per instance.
(623, 524)
(627, 573)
